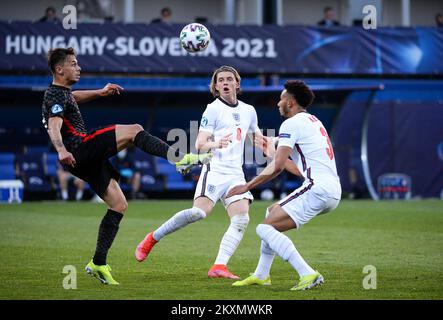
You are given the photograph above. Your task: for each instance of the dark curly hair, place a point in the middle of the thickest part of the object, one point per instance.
(301, 92)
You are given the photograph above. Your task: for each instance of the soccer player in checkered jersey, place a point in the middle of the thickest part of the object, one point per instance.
(224, 126)
(86, 154)
(302, 137)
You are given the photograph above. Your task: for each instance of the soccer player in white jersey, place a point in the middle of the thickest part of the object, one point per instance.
(224, 127)
(303, 137)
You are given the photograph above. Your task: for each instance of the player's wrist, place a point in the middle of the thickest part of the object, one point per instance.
(213, 145)
(102, 92)
(61, 150)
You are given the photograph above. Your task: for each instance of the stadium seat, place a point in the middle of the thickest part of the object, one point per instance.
(174, 180)
(32, 173)
(7, 158)
(151, 180)
(50, 160)
(7, 170)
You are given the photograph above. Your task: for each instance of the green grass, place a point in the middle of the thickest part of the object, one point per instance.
(403, 240)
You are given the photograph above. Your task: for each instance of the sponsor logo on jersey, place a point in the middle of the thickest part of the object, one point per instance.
(204, 122)
(236, 116)
(56, 108)
(284, 135)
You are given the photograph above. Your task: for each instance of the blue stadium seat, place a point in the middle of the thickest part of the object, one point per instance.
(151, 180)
(32, 173)
(174, 180)
(7, 158)
(7, 170)
(51, 160)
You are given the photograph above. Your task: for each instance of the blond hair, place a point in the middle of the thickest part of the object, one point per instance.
(214, 91)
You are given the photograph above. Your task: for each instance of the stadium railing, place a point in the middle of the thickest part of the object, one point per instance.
(129, 83)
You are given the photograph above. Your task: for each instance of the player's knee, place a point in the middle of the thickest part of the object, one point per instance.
(195, 214)
(137, 127)
(121, 206)
(240, 221)
(262, 229)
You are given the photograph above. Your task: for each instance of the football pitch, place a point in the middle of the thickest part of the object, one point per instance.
(402, 240)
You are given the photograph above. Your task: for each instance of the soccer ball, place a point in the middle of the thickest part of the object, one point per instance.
(195, 37)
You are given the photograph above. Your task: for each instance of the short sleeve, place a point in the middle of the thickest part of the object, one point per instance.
(254, 122)
(55, 104)
(287, 135)
(209, 119)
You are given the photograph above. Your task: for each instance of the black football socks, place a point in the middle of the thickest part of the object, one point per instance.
(153, 145)
(106, 234)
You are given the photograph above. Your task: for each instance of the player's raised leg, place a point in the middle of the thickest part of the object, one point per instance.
(135, 134)
(108, 229)
(202, 206)
(238, 212)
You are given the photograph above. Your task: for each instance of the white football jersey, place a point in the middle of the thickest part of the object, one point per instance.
(312, 150)
(221, 119)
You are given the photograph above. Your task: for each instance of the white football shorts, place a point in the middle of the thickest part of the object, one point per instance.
(308, 201)
(215, 186)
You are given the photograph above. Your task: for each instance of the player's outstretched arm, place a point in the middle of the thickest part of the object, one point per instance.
(82, 96)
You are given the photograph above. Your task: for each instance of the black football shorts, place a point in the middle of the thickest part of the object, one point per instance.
(92, 159)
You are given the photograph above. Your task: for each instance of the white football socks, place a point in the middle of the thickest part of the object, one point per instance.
(232, 238)
(283, 246)
(267, 256)
(178, 221)
(79, 195)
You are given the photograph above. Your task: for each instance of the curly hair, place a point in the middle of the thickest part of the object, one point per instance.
(301, 92)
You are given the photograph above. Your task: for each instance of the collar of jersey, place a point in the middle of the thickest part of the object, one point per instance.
(61, 87)
(227, 103)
